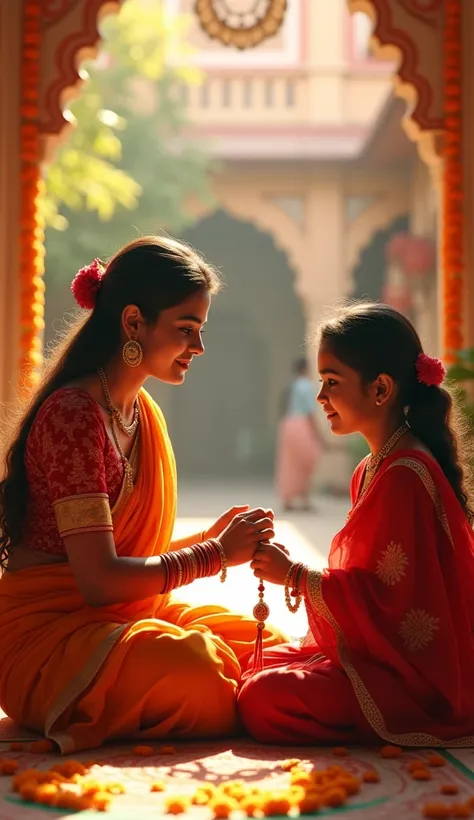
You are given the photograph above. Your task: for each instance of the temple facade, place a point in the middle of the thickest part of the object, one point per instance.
(349, 146)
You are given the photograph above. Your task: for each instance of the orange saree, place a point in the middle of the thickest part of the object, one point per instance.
(390, 651)
(149, 669)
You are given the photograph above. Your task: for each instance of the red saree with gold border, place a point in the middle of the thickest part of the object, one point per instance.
(390, 651)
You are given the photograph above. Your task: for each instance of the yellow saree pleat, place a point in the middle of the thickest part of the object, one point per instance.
(153, 668)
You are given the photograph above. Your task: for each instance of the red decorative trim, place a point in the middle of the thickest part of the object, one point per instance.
(452, 249)
(31, 307)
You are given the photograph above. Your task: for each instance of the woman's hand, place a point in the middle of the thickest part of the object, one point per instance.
(242, 536)
(271, 563)
(223, 521)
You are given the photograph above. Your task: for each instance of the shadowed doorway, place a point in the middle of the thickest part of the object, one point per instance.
(223, 419)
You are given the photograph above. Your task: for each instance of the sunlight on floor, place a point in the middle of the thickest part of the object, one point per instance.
(239, 593)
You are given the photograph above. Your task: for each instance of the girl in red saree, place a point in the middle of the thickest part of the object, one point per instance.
(93, 646)
(389, 655)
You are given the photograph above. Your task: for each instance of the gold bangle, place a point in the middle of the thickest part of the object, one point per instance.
(219, 546)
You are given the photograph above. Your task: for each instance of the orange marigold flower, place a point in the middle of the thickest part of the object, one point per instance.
(350, 784)
(41, 746)
(222, 806)
(340, 751)
(310, 804)
(101, 801)
(26, 776)
(290, 764)
(416, 764)
(300, 778)
(166, 750)
(114, 788)
(157, 786)
(421, 774)
(176, 805)
(8, 767)
(46, 793)
(436, 811)
(68, 800)
(371, 776)
(448, 788)
(391, 752)
(250, 805)
(334, 798)
(436, 761)
(143, 751)
(91, 787)
(276, 804)
(27, 790)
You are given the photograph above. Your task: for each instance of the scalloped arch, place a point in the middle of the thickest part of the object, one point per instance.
(411, 33)
(69, 35)
(260, 212)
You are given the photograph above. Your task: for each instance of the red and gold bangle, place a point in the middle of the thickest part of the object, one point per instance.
(292, 582)
(223, 557)
(200, 561)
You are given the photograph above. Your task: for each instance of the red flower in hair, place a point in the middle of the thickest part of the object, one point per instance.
(429, 370)
(87, 283)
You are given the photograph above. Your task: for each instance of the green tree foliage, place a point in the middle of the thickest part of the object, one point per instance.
(126, 168)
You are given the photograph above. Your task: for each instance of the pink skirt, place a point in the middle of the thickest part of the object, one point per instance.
(297, 454)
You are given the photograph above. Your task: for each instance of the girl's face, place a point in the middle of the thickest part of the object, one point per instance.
(170, 345)
(350, 406)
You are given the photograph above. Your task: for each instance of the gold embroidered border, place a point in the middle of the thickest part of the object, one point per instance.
(83, 513)
(369, 708)
(76, 688)
(428, 482)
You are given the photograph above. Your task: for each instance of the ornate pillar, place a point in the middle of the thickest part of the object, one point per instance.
(10, 61)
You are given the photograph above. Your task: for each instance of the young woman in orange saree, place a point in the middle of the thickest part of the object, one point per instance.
(93, 646)
(389, 655)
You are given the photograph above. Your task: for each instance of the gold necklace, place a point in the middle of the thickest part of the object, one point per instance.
(128, 429)
(127, 467)
(374, 462)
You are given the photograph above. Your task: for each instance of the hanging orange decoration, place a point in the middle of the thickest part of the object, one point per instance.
(225, 21)
(452, 240)
(31, 225)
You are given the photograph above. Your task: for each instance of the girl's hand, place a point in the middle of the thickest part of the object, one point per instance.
(223, 521)
(242, 536)
(271, 563)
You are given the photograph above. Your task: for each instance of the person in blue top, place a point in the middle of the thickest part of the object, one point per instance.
(299, 442)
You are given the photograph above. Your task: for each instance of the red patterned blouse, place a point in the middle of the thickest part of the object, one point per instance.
(74, 474)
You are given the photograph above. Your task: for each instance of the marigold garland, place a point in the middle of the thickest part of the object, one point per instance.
(31, 188)
(452, 242)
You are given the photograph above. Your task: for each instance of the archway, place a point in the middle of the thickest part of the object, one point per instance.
(369, 275)
(223, 420)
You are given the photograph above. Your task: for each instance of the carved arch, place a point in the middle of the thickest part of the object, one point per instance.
(267, 217)
(411, 33)
(69, 35)
(380, 215)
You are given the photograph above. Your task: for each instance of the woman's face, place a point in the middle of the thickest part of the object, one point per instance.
(350, 406)
(170, 345)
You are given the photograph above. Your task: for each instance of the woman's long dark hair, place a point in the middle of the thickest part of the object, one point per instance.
(374, 339)
(153, 273)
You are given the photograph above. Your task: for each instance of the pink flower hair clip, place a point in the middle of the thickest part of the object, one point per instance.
(429, 370)
(87, 283)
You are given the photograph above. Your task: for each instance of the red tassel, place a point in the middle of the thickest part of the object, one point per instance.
(261, 611)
